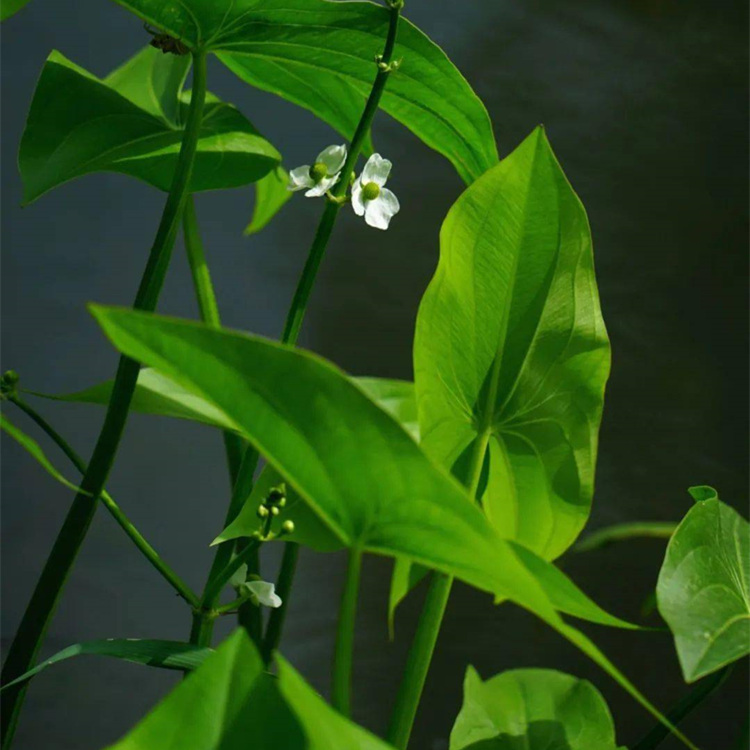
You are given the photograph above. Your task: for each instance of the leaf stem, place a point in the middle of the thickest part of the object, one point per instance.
(624, 531)
(307, 280)
(682, 708)
(40, 610)
(428, 628)
(209, 311)
(344, 654)
(114, 509)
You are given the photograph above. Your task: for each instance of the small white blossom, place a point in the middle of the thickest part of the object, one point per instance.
(370, 197)
(262, 592)
(319, 178)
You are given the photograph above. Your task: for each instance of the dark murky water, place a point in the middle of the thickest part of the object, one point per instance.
(646, 104)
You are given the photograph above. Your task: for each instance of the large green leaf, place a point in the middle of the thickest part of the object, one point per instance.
(510, 348)
(703, 592)
(356, 468)
(230, 703)
(163, 654)
(9, 8)
(320, 55)
(129, 123)
(34, 449)
(532, 709)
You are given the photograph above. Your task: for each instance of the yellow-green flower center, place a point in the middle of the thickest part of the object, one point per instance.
(371, 191)
(318, 171)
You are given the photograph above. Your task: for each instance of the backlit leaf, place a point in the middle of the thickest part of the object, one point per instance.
(533, 709)
(79, 124)
(703, 593)
(511, 350)
(352, 463)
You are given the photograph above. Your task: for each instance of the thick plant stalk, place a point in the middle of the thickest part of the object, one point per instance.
(428, 629)
(40, 610)
(307, 280)
(114, 509)
(344, 654)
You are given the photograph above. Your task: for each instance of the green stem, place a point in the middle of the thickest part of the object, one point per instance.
(205, 614)
(283, 588)
(428, 629)
(114, 509)
(680, 710)
(624, 531)
(307, 280)
(344, 654)
(209, 311)
(38, 614)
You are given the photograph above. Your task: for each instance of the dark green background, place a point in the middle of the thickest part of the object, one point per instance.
(645, 103)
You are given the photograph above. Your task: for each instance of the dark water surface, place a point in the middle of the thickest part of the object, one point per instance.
(645, 103)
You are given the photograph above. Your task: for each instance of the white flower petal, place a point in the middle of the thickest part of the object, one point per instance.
(380, 211)
(376, 170)
(322, 187)
(264, 593)
(358, 201)
(299, 178)
(333, 157)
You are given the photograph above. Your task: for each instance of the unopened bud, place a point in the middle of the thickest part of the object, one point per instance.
(274, 511)
(262, 511)
(288, 527)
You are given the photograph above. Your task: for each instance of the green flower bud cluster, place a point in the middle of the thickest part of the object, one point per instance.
(271, 508)
(9, 384)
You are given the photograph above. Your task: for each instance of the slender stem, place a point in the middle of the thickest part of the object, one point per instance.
(233, 606)
(624, 531)
(685, 706)
(428, 629)
(40, 610)
(209, 311)
(307, 280)
(283, 588)
(114, 509)
(206, 612)
(344, 655)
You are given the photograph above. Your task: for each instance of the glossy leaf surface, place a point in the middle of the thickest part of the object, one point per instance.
(163, 654)
(79, 124)
(34, 449)
(511, 350)
(271, 195)
(533, 709)
(703, 593)
(320, 55)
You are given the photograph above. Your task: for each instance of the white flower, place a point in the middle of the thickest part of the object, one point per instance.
(321, 176)
(262, 592)
(369, 196)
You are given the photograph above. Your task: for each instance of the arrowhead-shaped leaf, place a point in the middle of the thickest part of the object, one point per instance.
(703, 592)
(355, 467)
(320, 55)
(533, 709)
(510, 348)
(9, 8)
(129, 123)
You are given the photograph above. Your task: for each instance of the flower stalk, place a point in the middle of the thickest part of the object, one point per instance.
(41, 608)
(337, 195)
